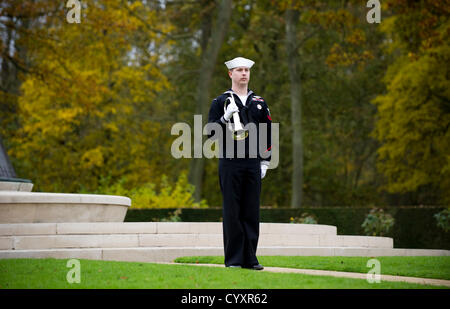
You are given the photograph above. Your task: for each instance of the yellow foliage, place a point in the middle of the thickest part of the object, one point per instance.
(413, 125)
(147, 195)
(92, 158)
(85, 110)
(356, 37)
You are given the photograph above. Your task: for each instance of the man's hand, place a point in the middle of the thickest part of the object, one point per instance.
(231, 109)
(264, 167)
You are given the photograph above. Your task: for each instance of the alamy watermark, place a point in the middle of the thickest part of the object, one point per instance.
(374, 274)
(74, 274)
(73, 15)
(211, 148)
(374, 14)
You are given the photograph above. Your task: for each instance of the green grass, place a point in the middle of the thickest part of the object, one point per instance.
(51, 274)
(435, 267)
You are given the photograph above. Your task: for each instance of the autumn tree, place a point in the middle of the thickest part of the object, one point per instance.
(414, 113)
(87, 103)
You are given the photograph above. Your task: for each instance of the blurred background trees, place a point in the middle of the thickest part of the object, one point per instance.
(363, 108)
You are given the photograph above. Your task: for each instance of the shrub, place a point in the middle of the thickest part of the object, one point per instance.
(443, 219)
(305, 218)
(179, 195)
(173, 216)
(377, 223)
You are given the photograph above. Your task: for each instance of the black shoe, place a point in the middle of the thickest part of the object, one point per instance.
(256, 267)
(234, 266)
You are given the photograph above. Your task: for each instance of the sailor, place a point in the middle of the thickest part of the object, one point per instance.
(242, 167)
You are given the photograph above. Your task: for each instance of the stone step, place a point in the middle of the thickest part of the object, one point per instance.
(182, 240)
(155, 228)
(168, 254)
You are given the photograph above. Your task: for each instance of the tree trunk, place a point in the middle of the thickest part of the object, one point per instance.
(292, 17)
(209, 58)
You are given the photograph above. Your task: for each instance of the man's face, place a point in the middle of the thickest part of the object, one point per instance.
(240, 75)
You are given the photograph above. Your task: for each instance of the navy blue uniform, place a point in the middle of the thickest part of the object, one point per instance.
(240, 179)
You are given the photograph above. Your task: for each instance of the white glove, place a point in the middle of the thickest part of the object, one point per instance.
(231, 109)
(264, 167)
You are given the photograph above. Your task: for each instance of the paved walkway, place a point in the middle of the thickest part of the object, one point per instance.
(438, 282)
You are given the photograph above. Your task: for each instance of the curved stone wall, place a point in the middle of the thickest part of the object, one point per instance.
(36, 207)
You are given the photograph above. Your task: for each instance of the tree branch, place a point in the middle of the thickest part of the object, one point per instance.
(150, 28)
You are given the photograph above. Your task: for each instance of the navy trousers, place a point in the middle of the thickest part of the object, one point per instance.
(240, 183)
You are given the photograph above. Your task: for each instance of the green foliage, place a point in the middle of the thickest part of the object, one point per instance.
(443, 219)
(173, 216)
(377, 223)
(148, 196)
(305, 218)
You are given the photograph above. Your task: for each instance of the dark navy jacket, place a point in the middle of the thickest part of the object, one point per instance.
(255, 111)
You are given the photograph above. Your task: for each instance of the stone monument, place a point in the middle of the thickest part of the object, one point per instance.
(6, 168)
(8, 179)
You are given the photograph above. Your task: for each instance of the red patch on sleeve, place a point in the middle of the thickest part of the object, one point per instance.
(270, 118)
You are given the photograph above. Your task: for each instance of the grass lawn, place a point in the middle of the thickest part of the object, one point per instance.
(434, 267)
(51, 274)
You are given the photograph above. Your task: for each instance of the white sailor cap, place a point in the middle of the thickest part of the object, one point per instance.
(239, 62)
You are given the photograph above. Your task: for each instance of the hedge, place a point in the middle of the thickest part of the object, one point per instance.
(415, 226)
